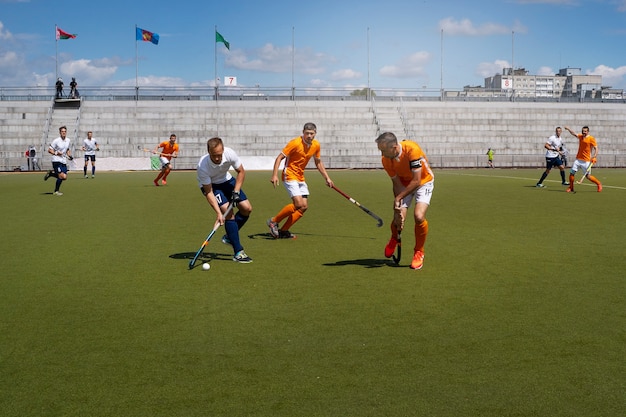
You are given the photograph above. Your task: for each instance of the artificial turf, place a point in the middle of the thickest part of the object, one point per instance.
(518, 311)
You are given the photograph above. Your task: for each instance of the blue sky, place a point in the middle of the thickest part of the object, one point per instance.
(384, 44)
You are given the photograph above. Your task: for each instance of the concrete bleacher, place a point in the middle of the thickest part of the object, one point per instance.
(453, 133)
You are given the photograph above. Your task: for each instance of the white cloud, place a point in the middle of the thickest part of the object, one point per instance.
(11, 66)
(610, 76)
(489, 69)
(4, 34)
(465, 27)
(9, 59)
(151, 81)
(270, 58)
(319, 83)
(91, 72)
(345, 74)
(408, 67)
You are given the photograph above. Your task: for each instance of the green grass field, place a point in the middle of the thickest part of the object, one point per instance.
(519, 311)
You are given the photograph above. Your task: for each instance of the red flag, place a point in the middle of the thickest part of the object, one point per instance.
(61, 34)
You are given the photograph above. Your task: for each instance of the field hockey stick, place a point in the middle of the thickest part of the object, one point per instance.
(208, 238)
(154, 152)
(145, 149)
(365, 209)
(396, 259)
(71, 162)
(587, 171)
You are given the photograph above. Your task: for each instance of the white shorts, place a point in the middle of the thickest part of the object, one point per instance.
(296, 188)
(579, 164)
(164, 162)
(421, 195)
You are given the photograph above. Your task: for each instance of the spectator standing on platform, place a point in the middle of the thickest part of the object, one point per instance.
(73, 89)
(59, 86)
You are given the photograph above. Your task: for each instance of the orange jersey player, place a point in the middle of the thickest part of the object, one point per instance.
(586, 156)
(169, 150)
(412, 179)
(297, 154)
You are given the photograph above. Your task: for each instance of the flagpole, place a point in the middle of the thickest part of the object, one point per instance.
(217, 118)
(369, 88)
(56, 55)
(215, 64)
(441, 68)
(136, 67)
(293, 60)
(513, 65)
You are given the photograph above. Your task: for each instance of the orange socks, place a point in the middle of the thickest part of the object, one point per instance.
(593, 180)
(285, 212)
(421, 231)
(290, 213)
(294, 217)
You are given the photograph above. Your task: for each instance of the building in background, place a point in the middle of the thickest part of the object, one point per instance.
(569, 82)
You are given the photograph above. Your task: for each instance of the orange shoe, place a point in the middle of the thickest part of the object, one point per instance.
(570, 190)
(391, 247)
(599, 188)
(156, 183)
(163, 182)
(418, 260)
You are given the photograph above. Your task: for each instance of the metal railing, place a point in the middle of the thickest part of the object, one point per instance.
(17, 161)
(282, 93)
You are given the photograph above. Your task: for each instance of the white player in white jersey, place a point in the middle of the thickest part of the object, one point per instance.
(554, 146)
(90, 146)
(220, 188)
(60, 151)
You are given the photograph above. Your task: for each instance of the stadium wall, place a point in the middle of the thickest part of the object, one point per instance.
(454, 134)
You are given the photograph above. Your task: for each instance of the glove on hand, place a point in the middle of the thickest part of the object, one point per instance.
(594, 160)
(235, 198)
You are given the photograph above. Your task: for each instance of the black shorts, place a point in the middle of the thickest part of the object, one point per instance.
(90, 157)
(553, 162)
(224, 191)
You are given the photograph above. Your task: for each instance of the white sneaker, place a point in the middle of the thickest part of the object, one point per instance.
(58, 193)
(242, 258)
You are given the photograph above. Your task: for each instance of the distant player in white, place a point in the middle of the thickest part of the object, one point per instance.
(90, 146)
(60, 151)
(220, 187)
(554, 147)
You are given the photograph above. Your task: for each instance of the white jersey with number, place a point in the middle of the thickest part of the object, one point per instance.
(555, 143)
(210, 173)
(60, 146)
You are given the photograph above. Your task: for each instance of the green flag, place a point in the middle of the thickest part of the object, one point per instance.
(220, 38)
